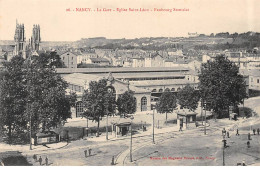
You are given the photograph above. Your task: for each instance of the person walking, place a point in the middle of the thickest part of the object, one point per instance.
(35, 157)
(86, 153)
(249, 136)
(254, 131)
(224, 131)
(258, 131)
(228, 134)
(237, 133)
(46, 161)
(40, 160)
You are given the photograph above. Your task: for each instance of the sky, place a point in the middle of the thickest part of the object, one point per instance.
(57, 24)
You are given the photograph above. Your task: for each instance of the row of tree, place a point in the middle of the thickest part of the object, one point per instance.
(33, 96)
(220, 87)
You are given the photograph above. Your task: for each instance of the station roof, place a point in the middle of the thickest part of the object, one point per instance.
(161, 82)
(80, 79)
(120, 70)
(250, 72)
(147, 74)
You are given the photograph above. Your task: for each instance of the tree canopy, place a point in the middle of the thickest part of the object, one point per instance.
(188, 98)
(167, 103)
(97, 100)
(126, 103)
(30, 90)
(221, 85)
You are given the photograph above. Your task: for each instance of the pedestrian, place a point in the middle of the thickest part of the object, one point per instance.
(254, 131)
(46, 160)
(223, 131)
(86, 153)
(89, 152)
(243, 163)
(40, 160)
(258, 131)
(113, 161)
(237, 133)
(35, 157)
(248, 144)
(228, 134)
(249, 136)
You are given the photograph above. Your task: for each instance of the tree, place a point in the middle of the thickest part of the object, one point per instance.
(49, 102)
(49, 60)
(221, 85)
(95, 99)
(166, 103)
(188, 98)
(126, 103)
(12, 99)
(32, 93)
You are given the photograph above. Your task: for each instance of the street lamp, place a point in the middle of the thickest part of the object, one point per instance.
(131, 138)
(30, 116)
(153, 123)
(110, 90)
(224, 146)
(205, 104)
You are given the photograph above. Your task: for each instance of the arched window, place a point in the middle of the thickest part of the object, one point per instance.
(79, 109)
(143, 103)
(167, 89)
(178, 89)
(173, 89)
(160, 90)
(154, 90)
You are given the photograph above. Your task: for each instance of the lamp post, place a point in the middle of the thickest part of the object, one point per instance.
(30, 118)
(153, 123)
(110, 90)
(107, 125)
(205, 104)
(131, 138)
(224, 146)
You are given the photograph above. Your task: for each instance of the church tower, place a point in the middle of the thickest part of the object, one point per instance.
(19, 38)
(36, 38)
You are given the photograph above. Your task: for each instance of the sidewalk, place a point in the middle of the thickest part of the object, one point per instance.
(139, 134)
(35, 149)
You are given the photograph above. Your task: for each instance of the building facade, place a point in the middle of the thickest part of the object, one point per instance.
(69, 59)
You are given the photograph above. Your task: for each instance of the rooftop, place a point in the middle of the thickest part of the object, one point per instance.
(161, 82)
(98, 60)
(121, 70)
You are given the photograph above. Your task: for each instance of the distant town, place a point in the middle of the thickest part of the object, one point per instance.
(145, 101)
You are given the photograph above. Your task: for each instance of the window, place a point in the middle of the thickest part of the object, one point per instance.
(167, 89)
(79, 109)
(257, 80)
(154, 90)
(143, 104)
(173, 89)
